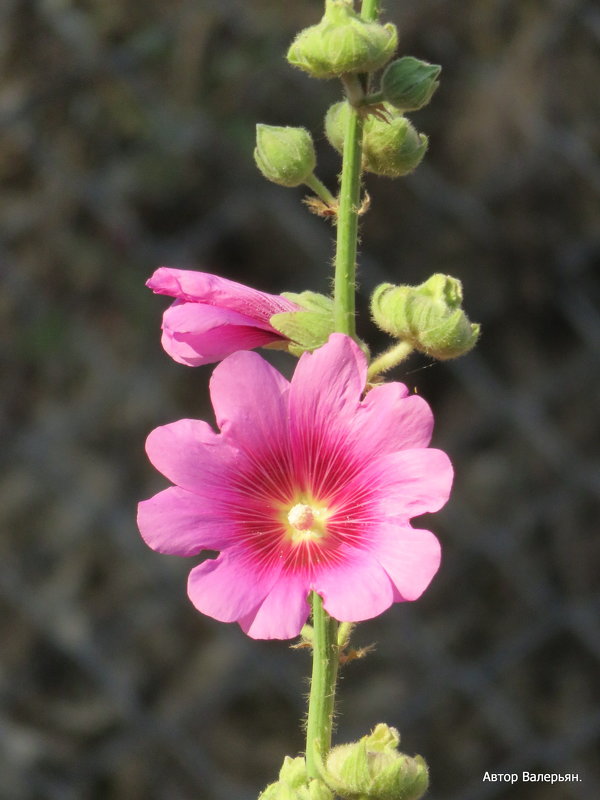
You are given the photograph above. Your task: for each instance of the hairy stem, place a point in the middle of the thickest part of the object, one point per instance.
(347, 228)
(370, 10)
(322, 687)
(391, 358)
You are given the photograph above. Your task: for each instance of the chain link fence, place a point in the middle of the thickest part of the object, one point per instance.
(126, 135)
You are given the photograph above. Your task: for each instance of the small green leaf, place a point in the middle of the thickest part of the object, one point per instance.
(311, 301)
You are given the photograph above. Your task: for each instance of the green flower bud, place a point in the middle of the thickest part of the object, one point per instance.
(284, 155)
(408, 84)
(294, 784)
(342, 43)
(373, 769)
(336, 120)
(391, 147)
(428, 316)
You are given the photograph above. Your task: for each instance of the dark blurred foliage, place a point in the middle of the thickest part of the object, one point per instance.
(126, 135)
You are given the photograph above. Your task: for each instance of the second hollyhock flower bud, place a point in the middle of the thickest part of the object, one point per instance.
(373, 769)
(429, 316)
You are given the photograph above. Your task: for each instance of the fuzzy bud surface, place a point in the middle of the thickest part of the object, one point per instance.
(408, 84)
(342, 43)
(429, 316)
(373, 769)
(284, 155)
(391, 147)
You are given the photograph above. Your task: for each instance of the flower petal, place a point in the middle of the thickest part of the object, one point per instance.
(229, 588)
(282, 613)
(399, 486)
(249, 397)
(179, 523)
(410, 557)
(327, 384)
(324, 396)
(389, 420)
(357, 588)
(196, 334)
(191, 455)
(202, 287)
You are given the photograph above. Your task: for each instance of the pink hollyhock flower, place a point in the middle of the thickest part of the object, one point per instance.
(307, 487)
(213, 317)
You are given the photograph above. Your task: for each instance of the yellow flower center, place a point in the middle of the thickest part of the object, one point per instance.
(306, 522)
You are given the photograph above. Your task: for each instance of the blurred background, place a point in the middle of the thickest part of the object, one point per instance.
(126, 137)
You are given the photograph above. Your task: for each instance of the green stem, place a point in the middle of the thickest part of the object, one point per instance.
(370, 10)
(321, 190)
(391, 358)
(322, 687)
(347, 228)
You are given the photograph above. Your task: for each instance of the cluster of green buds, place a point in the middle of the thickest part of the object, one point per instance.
(344, 45)
(294, 784)
(374, 769)
(429, 317)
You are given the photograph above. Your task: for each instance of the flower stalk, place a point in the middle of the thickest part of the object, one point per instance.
(370, 10)
(322, 687)
(320, 190)
(389, 359)
(325, 646)
(347, 228)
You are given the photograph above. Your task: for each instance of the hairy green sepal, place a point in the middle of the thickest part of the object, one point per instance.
(309, 328)
(294, 784)
(408, 84)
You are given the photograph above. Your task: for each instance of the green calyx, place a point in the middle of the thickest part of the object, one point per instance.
(285, 155)
(391, 145)
(409, 84)
(309, 328)
(294, 784)
(342, 43)
(429, 316)
(373, 769)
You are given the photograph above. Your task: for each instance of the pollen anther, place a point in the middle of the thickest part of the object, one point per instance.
(301, 517)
